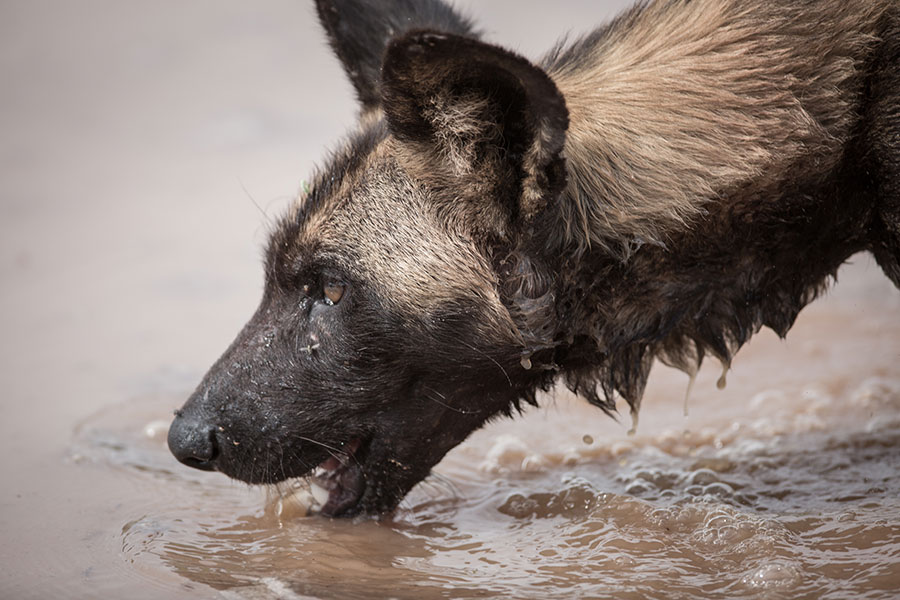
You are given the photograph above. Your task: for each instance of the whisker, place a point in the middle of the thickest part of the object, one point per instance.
(489, 357)
(267, 220)
(461, 411)
(335, 452)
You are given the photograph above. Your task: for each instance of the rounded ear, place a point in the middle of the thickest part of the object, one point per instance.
(488, 112)
(359, 30)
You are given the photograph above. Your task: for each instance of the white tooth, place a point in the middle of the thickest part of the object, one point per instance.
(319, 493)
(320, 472)
(298, 503)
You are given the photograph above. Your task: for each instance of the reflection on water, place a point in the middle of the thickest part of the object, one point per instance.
(799, 498)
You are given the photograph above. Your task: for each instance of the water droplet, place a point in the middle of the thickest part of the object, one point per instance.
(722, 382)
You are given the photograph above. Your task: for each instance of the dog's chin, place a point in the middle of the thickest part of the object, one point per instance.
(359, 477)
(362, 475)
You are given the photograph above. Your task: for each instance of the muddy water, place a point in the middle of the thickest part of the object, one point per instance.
(140, 144)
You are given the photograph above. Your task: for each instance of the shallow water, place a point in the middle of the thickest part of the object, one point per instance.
(789, 491)
(137, 149)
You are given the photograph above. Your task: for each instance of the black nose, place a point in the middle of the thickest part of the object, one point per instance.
(193, 443)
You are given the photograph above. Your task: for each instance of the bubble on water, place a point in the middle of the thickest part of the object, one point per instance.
(510, 453)
(816, 399)
(880, 423)
(717, 464)
(649, 482)
(624, 561)
(533, 463)
(723, 531)
(577, 498)
(156, 429)
(278, 589)
(720, 489)
(703, 477)
(619, 448)
(571, 457)
(876, 392)
(638, 489)
(847, 516)
(777, 576)
(768, 400)
(809, 422)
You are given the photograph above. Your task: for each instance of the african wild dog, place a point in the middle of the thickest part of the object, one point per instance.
(659, 189)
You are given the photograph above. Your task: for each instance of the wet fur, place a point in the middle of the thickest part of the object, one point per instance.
(705, 198)
(657, 190)
(722, 194)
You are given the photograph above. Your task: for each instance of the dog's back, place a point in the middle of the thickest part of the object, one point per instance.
(678, 104)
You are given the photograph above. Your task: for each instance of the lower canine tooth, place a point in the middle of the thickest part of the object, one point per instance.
(300, 502)
(319, 493)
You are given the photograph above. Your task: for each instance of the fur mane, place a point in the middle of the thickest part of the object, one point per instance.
(678, 103)
(699, 132)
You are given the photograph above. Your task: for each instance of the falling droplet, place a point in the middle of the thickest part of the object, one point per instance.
(687, 392)
(634, 423)
(722, 382)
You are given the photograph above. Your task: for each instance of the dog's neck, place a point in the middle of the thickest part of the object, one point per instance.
(743, 265)
(661, 129)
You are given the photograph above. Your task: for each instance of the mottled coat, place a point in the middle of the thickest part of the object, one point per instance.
(659, 189)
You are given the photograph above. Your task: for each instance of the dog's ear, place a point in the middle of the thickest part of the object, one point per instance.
(480, 114)
(359, 30)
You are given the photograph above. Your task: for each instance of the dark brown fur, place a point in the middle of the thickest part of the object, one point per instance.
(660, 189)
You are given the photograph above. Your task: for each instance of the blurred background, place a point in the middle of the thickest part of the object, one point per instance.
(143, 146)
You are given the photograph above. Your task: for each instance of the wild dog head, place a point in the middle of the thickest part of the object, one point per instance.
(401, 301)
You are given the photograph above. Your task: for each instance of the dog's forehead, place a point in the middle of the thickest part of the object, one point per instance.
(383, 227)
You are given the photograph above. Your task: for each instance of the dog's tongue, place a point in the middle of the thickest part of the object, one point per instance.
(340, 482)
(344, 490)
(331, 464)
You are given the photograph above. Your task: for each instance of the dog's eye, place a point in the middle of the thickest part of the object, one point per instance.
(333, 293)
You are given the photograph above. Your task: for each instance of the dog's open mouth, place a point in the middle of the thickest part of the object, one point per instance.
(340, 480)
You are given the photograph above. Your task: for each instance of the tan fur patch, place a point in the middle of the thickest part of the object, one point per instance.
(389, 229)
(681, 102)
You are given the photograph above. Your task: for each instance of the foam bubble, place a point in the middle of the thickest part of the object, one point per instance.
(777, 576)
(703, 477)
(510, 453)
(876, 392)
(578, 498)
(156, 429)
